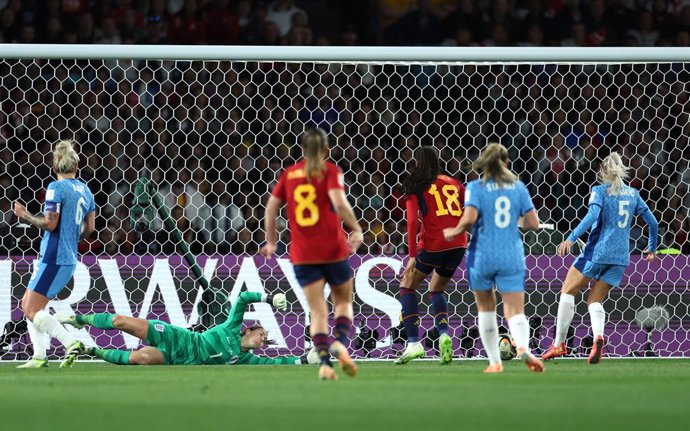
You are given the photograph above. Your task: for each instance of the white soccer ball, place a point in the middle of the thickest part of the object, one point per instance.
(506, 346)
(655, 317)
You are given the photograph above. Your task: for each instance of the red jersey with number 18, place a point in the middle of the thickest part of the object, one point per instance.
(316, 231)
(440, 206)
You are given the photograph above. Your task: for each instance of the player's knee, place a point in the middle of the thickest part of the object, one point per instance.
(119, 321)
(29, 310)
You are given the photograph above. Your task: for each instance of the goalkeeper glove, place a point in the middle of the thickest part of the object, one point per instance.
(279, 301)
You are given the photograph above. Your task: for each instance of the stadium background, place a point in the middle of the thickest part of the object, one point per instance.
(213, 135)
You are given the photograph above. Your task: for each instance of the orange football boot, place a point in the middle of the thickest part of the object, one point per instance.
(533, 363)
(555, 351)
(597, 350)
(493, 369)
(326, 372)
(340, 353)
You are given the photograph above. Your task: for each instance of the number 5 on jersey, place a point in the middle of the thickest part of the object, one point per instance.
(306, 213)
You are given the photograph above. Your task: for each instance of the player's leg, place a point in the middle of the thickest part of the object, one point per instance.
(131, 325)
(47, 283)
(39, 339)
(576, 280)
(513, 295)
(313, 280)
(341, 294)
(597, 315)
(439, 299)
(439, 308)
(487, 324)
(410, 312)
(145, 356)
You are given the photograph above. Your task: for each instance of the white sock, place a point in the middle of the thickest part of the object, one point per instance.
(597, 316)
(488, 331)
(566, 311)
(39, 340)
(519, 329)
(43, 321)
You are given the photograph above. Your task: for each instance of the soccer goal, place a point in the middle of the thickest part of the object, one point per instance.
(209, 129)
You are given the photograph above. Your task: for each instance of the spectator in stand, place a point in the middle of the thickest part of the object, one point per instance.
(188, 28)
(418, 27)
(281, 13)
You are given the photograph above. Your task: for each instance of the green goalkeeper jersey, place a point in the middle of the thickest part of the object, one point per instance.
(222, 344)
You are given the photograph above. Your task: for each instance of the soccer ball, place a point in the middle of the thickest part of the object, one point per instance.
(506, 346)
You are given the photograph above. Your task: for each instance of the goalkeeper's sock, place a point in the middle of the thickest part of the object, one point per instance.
(43, 321)
(597, 316)
(342, 329)
(488, 332)
(98, 320)
(118, 357)
(439, 305)
(322, 344)
(39, 340)
(519, 329)
(410, 313)
(566, 311)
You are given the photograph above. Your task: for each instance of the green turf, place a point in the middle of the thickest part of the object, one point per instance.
(617, 394)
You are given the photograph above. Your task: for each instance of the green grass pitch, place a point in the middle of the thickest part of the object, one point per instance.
(615, 395)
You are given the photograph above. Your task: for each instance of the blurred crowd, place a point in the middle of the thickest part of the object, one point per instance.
(349, 22)
(214, 136)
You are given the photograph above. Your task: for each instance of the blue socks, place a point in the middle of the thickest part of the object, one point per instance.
(410, 314)
(439, 306)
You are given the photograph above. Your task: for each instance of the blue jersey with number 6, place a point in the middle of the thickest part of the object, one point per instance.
(609, 238)
(73, 200)
(496, 244)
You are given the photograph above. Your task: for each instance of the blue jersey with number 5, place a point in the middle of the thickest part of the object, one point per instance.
(73, 200)
(609, 238)
(496, 244)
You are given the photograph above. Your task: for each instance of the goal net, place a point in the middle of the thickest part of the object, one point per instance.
(211, 136)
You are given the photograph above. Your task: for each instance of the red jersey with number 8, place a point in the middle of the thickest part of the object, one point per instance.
(440, 206)
(316, 231)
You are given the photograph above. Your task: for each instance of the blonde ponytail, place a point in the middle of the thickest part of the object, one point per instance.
(65, 158)
(613, 172)
(491, 164)
(314, 144)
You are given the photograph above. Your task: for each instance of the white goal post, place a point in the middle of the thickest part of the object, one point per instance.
(212, 126)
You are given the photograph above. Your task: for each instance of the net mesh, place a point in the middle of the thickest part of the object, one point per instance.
(213, 136)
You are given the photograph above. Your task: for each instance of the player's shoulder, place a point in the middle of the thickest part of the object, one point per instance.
(295, 171)
(447, 179)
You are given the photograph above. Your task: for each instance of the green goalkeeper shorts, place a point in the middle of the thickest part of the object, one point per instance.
(179, 346)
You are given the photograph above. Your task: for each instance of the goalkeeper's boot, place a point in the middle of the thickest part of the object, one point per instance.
(340, 353)
(555, 351)
(326, 372)
(66, 319)
(533, 363)
(412, 351)
(446, 345)
(35, 363)
(597, 350)
(73, 350)
(493, 369)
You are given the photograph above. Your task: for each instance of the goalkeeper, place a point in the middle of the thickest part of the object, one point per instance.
(224, 344)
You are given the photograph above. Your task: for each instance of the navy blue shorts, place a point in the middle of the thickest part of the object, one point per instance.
(443, 262)
(334, 273)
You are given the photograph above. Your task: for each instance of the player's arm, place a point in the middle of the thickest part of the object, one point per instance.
(272, 209)
(587, 222)
(88, 226)
(344, 210)
(652, 226)
(250, 359)
(412, 214)
(530, 221)
(48, 221)
(245, 298)
(468, 219)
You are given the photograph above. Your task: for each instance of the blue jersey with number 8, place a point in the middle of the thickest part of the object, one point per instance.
(609, 238)
(73, 200)
(496, 244)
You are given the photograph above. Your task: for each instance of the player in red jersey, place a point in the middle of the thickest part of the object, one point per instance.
(437, 198)
(319, 248)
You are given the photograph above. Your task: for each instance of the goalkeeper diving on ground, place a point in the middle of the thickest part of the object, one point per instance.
(224, 344)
